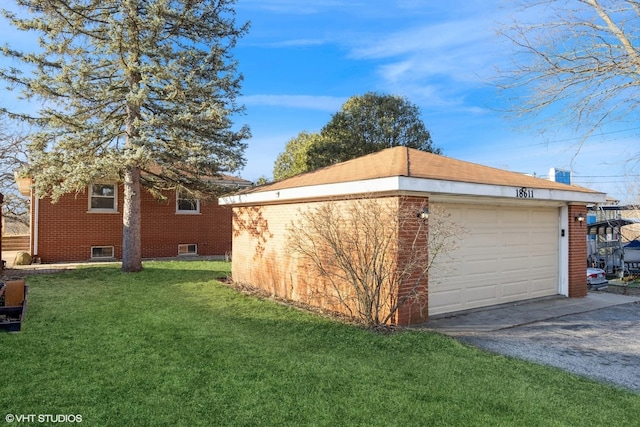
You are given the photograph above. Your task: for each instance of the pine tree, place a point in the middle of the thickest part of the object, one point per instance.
(140, 91)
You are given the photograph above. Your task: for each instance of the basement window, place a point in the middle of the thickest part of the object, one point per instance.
(102, 252)
(189, 249)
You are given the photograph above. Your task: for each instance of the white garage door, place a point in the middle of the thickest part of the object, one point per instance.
(506, 254)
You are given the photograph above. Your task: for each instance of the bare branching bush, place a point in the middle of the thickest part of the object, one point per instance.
(373, 254)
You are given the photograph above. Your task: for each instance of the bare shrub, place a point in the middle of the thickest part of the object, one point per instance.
(374, 254)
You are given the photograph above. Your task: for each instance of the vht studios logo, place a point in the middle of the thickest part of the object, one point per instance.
(43, 418)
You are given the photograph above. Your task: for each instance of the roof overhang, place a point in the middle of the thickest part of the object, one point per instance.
(606, 226)
(402, 184)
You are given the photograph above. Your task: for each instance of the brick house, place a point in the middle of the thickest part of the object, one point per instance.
(87, 226)
(1, 230)
(525, 237)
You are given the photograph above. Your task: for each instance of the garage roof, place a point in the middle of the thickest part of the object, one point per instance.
(410, 170)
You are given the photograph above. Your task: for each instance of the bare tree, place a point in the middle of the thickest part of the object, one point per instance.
(373, 254)
(577, 62)
(12, 157)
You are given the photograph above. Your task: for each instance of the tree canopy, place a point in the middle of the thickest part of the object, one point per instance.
(296, 158)
(142, 91)
(365, 124)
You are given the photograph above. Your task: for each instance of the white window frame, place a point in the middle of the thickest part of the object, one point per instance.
(186, 211)
(102, 257)
(115, 198)
(183, 249)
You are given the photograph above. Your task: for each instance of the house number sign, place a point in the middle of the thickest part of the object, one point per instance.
(524, 193)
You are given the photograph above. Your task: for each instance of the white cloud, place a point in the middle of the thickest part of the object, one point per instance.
(427, 38)
(310, 102)
(297, 7)
(299, 43)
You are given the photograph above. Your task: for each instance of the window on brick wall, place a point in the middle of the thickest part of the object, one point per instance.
(101, 252)
(189, 249)
(103, 198)
(186, 203)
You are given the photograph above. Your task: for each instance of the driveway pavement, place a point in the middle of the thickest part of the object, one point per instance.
(597, 336)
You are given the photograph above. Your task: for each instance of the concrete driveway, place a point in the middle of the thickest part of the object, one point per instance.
(597, 336)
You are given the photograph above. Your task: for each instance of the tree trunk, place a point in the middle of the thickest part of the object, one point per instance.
(131, 222)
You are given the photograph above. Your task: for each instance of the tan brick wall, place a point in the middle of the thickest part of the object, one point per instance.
(577, 252)
(261, 258)
(67, 231)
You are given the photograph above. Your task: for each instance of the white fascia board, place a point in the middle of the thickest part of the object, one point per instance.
(408, 184)
(503, 191)
(339, 189)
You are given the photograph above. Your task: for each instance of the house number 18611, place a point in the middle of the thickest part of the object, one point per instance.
(524, 193)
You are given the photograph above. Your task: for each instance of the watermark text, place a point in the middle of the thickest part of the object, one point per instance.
(43, 418)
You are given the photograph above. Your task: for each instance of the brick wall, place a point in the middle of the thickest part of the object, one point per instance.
(1, 231)
(261, 258)
(416, 309)
(577, 252)
(67, 230)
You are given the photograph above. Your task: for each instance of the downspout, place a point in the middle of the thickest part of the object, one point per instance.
(35, 206)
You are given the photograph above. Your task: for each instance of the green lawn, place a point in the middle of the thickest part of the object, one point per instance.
(170, 346)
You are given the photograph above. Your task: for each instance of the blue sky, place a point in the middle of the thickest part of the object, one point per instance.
(301, 60)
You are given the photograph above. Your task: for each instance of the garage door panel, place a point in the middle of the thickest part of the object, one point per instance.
(514, 259)
(544, 260)
(540, 286)
(448, 300)
(481, 267)
(483, 216)
(515, 289)
(480, 241)
(477, 296)
(508, 254)
(542, 238)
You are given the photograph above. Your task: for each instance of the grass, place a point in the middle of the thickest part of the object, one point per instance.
(171, 346)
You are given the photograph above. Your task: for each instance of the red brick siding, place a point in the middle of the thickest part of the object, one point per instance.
(577, 252)
(1, 231)
(67, 231)
(415, 311)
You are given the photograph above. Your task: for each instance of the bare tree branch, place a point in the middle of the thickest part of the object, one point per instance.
(15, 207)
(373, 254)
(576, 63)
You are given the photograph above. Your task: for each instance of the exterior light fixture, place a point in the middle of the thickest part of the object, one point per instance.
(423, 214)
(579, 218)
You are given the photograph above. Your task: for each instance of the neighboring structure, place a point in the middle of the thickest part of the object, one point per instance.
(613, 237)
(525, 236)
(560, 175)
(1, 231)
(88, 225)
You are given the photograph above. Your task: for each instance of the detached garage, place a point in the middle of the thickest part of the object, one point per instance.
(524, 237)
